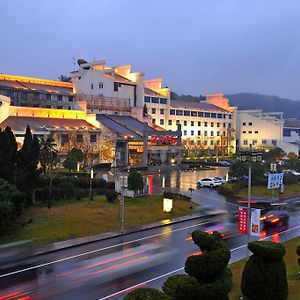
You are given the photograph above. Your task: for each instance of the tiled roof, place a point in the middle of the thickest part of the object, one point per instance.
(196, 105)
(44, 124)
(29, 86)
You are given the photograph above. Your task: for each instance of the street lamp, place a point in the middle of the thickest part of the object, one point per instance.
(191, 190)
(249, 156)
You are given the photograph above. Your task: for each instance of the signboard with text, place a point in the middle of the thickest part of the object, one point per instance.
(255, 222)
(275, 180)
(163, 140)
(243, 220)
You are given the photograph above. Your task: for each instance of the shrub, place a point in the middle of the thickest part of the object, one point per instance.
(265, 272)
(110, 185)
(176, 196)
(298, 253)
(111, 195)
(80, 193)
(99, 183)
(135, 181)
(289, 179)
(67, 190)
(146, 294)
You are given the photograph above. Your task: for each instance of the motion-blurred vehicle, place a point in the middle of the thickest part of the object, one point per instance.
(208, 182)
(275, 218)
(224, 163)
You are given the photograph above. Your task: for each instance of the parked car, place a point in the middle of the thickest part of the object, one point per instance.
(224, 163)
(208, 182)
(222, 179)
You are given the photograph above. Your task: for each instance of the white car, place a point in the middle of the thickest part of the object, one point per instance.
(222, 179)
(209, 182)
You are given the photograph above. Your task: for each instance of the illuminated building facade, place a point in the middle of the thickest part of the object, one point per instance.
(262, 130)
(35, 92)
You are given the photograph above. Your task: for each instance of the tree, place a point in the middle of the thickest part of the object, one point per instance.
(292, 155)
(74, 156)
(8, 153)
(273, 154)
(145, 111)
(65, 78)
(265, 272)
(135, 181)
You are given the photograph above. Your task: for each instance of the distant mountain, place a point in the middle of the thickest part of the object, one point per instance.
(290, 108)
(267, 103)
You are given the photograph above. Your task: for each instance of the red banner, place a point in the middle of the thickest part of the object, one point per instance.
(243, 220)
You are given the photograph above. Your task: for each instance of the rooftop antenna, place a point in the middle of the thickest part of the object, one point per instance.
(74, 63)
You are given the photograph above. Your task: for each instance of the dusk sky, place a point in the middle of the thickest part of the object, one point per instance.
(197, 47)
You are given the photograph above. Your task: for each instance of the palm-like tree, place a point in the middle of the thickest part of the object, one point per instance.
(48, 153)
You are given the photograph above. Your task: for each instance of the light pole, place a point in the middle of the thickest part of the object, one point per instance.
(91, 185)
(249, 156)
(191, 190)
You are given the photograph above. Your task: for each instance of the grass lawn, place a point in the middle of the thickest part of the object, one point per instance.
(262, 191)
(291, 267)
(72, 219)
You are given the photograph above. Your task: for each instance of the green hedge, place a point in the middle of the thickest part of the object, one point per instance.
(176, 196)
(146, 294)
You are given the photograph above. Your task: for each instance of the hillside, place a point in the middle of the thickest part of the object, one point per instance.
(267, 103)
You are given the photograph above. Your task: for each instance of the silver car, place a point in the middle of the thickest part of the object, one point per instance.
(208, 182)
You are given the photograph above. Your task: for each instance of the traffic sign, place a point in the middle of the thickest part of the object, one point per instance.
(243, 220)
(275, 180)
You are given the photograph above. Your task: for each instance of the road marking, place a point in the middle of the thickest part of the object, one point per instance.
(177, 270)
(222, 201)
(102, 249)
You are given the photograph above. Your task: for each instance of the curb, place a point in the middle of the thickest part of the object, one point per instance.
(112, 234)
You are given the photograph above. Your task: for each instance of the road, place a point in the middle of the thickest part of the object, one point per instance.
(109, 269)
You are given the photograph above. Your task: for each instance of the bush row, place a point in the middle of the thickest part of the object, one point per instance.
(175, 196)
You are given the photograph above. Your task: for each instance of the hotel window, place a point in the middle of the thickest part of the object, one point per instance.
(100, 84)
(116, 86)
(59, 106)
(161, 121)
(245, 142)
(199, 132)
(213, 115)
(211, 133)
(205, 142)
(193, 113)
(192, 132)
(187, 113)
(205, 124)
(224, 125)
(264, 141)
(184, 123)
(220, 116)
(198, 143)
(224, 116)
(256, 131)
(179, 112)
(218, 124)
(162, 101)
(199, 123)
(212, 124)
(244, 124)
(36, 96)
(229, 125)
(218, 142)
(184, 132)
(224, 133)
(153, 110)
(254, 142)
(211, 143)
(274, 142)
(207, 115)
(169, 122)
(162, 111)
(218, 133)
(155, 100)
(244, 131)
(172, 112)
(250, 131)
(59, 97)
(24, 95)
(192, 123)
(192, 142)
(200, 114)
(177, 122)
(250, 124)
(229, 117)
(153, 121)
(93, 138)
(70, 98)
(205, 133)
(79, 138)
(64, 138)
(92, 86)
(147, 99)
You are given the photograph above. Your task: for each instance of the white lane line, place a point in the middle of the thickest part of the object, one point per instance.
(102, 249)
(177, 270)
(212, 198)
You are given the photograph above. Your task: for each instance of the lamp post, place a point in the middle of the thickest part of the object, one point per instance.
(249, 156)
(191, 190)
(91, 185)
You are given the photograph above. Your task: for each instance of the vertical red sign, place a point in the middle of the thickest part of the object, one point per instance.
(243, 220)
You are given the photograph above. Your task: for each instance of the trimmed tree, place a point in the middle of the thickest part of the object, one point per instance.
(265, 272)
(135, 181)
(73, 157)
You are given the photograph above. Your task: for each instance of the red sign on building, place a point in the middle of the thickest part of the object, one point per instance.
(163, 140)
(243, 220)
